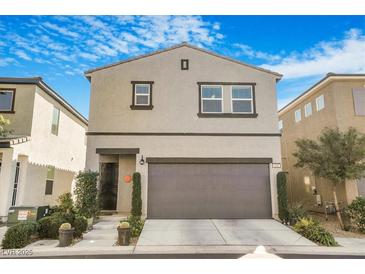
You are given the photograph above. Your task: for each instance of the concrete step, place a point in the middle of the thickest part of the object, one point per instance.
(105, 225)
(112, 218)
(105, 234)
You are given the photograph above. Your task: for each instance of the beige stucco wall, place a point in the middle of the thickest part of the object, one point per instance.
(175, 107)
(182, 146)
(66, 151)
(338, 112)
(176, 95)
(127, 166)
(21, 120)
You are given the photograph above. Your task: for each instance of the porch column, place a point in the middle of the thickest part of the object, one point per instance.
(7, 174)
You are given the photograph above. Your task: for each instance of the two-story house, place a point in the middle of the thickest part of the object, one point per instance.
(46, 148)
(200, 128)
(336, 101)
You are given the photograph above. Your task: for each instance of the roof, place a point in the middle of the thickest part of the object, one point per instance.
(8, 141)
(330, 76)
(278, 75)
(41, 84)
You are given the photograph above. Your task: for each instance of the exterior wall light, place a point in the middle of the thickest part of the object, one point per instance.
(141, 162)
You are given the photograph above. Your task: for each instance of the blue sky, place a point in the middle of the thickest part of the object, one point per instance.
(61, 48)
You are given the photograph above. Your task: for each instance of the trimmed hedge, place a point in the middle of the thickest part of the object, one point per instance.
(136, 195)
(282, 197)
(312, 230)
(49, 226)
(80, 225)
(19, 235)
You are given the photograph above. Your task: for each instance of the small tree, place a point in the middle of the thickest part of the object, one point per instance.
(66, 204)
(3, 124)
(336, 156)
(282, 197)
(86, 193)
(136, 195)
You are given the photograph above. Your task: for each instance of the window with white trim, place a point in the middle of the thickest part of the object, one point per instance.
(242, 99)
(55, 121)
(211, 99)
(280, 125)
(320, 102)
(308, 110)
(298, 115)
(7, 100)
(142, 94)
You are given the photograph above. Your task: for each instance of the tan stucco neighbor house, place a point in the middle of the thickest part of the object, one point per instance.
(46, 148)
(336, 101)
(200, 128)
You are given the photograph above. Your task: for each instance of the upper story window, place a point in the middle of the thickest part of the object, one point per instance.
(298, 115)
(280, 125)
(308, 110)
(7, 98)
(55, 121)
(242, 99)
(142, 95)
(211, 99)
(320, 102)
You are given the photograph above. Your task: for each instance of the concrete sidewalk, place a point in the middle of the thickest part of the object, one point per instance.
(137, 252)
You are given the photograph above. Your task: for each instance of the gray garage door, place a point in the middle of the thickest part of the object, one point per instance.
(208, 191)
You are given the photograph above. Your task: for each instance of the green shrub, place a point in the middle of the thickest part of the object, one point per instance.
(282, 197)
(356, 213)
(66, 204)
(86, 192)
(296, 212)
(136, 225)
(48, 226)
(136, 195)
(312, 230)
(80, 225)
(19, 235)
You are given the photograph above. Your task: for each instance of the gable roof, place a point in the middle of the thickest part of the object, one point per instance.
(48, 90)
(278, 75)
(330, 76)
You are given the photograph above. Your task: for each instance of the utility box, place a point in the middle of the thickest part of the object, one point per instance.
(19, 214)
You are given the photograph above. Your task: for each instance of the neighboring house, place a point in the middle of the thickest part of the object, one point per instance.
(200, 128)
(46, 148)
(336, 101)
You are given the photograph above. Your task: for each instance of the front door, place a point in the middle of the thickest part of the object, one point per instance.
(108, 186)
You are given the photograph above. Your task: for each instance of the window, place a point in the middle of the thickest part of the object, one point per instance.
(298, 115)
(50, 180)
(212, 99)
(55, 121)
(184, 64)
(308, 110)
(320, 102)
(359, 101)
(242, 101)
(16, 180)
(7, 97)
(142, 95)
(280, 125)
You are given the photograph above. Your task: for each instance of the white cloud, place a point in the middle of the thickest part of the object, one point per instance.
(6, 61)
(61, 30)
(250, 52)
(339, 56)
(21, 54)
(89, 56)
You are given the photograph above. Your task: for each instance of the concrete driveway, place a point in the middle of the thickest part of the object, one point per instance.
(267, 232)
